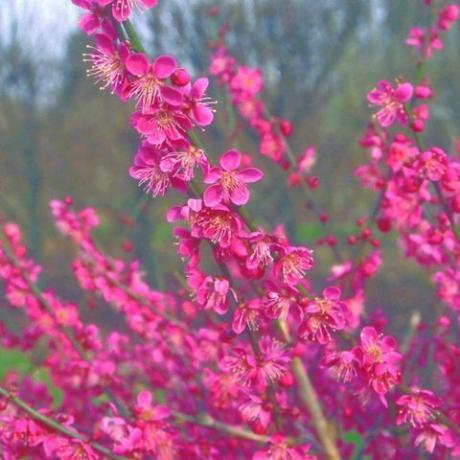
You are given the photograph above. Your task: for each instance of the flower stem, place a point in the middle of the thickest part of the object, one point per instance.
(133, 36)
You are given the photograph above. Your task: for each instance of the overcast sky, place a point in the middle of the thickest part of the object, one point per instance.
(45, 21)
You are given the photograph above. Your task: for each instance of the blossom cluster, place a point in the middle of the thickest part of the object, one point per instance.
(248, 358)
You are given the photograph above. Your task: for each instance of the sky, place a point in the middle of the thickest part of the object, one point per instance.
(44, 21)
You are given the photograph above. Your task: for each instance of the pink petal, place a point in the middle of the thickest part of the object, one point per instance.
(230, 160)
(203, 115)
(157, 136)
(171, 96)
(82, 3)
(137, 64)
(144, 399)
(199, 88)
(149, 3)
(249, 175)
(213, 195)
(368, 335)
(332, 293)
(144, 125)
(376, 97)
(240, 195)
(386, 117)
(160, 413)
(167, 165)
(239, 321)
(121, 10)
(213, 176)
(404, 92)
(164, 67)
(105, 44)
(89, 23)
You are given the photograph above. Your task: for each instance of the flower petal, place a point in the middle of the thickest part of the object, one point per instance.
(164, 66)
(171, 96)
(213, 195)
(203, 115)
(137, 64)
(240, 195)
(249, 175)
(230, 160)
(404, 92)
(199, 88)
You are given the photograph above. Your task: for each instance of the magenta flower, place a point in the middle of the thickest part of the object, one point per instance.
(163, 123)
(197, 104)
(392, 102)
(228, 182)
(108, 65)
(182, 159)
(417, 408)
(149, 87)
(91, 22)
(211, 293)
(425, 41)
(66, 449)
(246, 315)
(146, 169)
(379, 360)
(218, 225)
(254, 409)
(433, 164)
(247, 81)
(293, 264)
(121, 9)
(324, 315)
(146, 411)
(260, 254)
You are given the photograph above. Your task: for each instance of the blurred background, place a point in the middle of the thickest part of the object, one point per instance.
(60, 135)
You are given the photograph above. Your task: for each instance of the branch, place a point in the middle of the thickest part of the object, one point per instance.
(311, 402)
(56, 426)
(209, 422)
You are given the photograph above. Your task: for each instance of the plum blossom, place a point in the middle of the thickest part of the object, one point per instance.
(122, 9)
(392, 101)
(229, 182)
(148, 87)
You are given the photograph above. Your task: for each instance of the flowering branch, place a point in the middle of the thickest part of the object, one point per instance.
(56, 426)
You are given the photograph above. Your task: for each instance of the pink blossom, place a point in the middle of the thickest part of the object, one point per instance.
(246, 315)
(417, 408)
(122, 9)
(392, 101)
(92, 21)
(229, 182)
(162, 123)
(149, 88)
(182, 160)
(146, 411)
(323, 315)
(108, 65)
(448, 15)
(146, 169)
(196, 103)
(432, 164)
(293, 263)
(425, 41)
(247, 81)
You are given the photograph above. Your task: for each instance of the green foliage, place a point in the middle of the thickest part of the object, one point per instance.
(20, 363)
